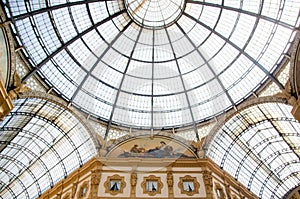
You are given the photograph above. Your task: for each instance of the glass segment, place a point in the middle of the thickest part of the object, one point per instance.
(260, 148)
(41, 143)
(128, 61)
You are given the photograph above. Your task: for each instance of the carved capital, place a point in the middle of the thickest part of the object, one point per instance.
(95, 177)
(207, 177)
(208, 182)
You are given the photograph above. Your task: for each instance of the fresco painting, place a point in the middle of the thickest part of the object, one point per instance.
(3, 58)
(152, 148)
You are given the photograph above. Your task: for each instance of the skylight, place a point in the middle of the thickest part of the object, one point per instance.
(155, 64)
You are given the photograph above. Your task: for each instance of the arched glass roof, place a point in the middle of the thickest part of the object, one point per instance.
(260, 147)
(153, 64)
(41, 143)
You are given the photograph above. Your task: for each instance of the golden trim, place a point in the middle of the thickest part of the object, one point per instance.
(83, 190)
(67, 196)
(147, 197)
(6, 105)
(170, 183)
(193, 189)
(219, 191)
(133, 182)
(156, 181)
(205, 167)
(119, 180)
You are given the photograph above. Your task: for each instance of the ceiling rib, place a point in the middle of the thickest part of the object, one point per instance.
(55, 7)
(208, 65)
(65, 45)
(257, 15)
(121, 83)
(184, 88)
(276, 81)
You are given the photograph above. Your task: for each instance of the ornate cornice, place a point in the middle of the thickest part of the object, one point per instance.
(294, 70)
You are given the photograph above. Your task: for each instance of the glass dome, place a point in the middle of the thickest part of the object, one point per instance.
(41, 144)
(154, 63)
(260, 147)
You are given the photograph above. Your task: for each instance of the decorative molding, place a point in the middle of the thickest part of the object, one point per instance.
(95, 181)
(18, 87)
(133, 182)
(208, 182)
(83, 190)
(287, 93)
(93, 169)
(188, 185)
(295, 67)
(114, 184)
(234, 197)
(152, 185)
(170, 182)
(58, 196)
(6, 104)
(228, 190)
(95, 177)
(67, 196)
(74, 189)
(219, 191)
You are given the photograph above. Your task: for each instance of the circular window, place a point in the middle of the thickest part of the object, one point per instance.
(155, 13)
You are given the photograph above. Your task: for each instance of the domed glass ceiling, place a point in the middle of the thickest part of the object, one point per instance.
(154, 63)
(260, 147)
(41, 143)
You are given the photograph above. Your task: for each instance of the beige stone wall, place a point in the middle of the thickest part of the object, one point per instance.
(92, 180)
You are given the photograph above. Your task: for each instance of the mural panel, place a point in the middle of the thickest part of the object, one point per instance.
(3, 58)
(152, 148)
